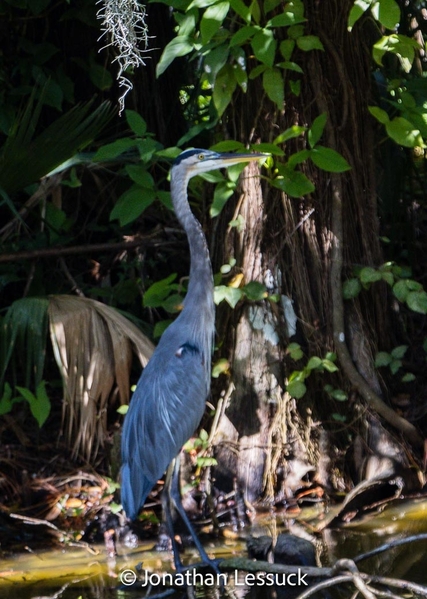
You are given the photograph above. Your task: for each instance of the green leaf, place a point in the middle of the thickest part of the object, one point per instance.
(387, 12)
(270, 5)
(212, 20)
(257, 71)
(403, 133)
(286, 48)
(165, 198)
(39, 403)
(24, 328)
(417, 301)
(225, 84)
(314, 363)
(229, 146)
(295, 32)
(25, 158)
(114, 149)
(273, 84)
(132, 203)
(285, 19)
(388, 277)
(294, 183)
(403, 46)
(369, 275)
(408, 377)
(382, 359)
(136, 122)
(173, 303)
(140, 175)
(6, 401)
(395, 365)
(329, 365)
(357, 10)
(178, 46)
(351, 288)
(290, 66)
(255, 291)
(123, 410)
(41, 408)
(309, 42)
(296, 389)
(241, 9)
(379, 114)
(230, 294)
(268, 149)
(156, 294)
(401, 290)
(295, 87)
(329, 160)
(295, 351)
(291, 133)
(264, 46)
(339, 417)
(399, 351)
(339, 395)
(243, 34)
(223, 191)
(297, 158)
(316, 130)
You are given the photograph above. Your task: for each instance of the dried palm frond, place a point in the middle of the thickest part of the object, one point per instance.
(93, 346)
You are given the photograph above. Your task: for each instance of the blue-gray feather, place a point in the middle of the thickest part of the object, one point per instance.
(170, 396)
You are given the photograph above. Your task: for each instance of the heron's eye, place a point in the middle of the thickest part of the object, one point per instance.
(201, 156)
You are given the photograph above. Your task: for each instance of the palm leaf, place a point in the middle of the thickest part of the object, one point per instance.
(23, 340)
(25, 159)
(93, 346)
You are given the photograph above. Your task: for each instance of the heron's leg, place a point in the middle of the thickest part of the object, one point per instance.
(175, 496)
(166, 504)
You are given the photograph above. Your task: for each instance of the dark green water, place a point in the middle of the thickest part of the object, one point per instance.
(75, 573)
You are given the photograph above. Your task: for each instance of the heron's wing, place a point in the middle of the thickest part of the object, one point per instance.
(165, 410)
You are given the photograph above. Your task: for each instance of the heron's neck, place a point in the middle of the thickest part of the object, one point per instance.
(201, 280)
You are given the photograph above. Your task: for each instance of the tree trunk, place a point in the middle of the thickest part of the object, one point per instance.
(304, 249)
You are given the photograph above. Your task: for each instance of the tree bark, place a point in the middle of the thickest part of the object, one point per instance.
(306, 247)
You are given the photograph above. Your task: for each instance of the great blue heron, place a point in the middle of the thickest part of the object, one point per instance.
(169, 399)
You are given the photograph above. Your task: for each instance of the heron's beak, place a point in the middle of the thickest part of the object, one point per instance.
(226, 159)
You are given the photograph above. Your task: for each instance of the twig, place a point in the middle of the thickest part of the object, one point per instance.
(71, 279)
(357, 579)
(325, 584)
(387, 546)
(40, 522)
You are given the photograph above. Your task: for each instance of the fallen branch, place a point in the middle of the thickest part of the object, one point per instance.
(77, 249)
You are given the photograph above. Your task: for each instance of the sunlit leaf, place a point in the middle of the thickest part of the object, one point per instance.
(212, 20)
(272, 81)
(264, 46)
(316, 130)
(329, 160)
(178, 46)
(357, 10)
(296, 389)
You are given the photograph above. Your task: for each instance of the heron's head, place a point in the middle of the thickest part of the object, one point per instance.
(196, 161)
